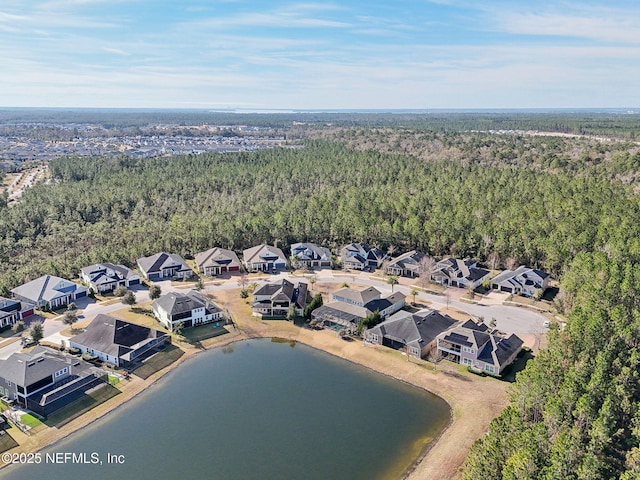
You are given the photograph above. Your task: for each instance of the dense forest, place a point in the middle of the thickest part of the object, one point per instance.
(575, 410)
(120, 209)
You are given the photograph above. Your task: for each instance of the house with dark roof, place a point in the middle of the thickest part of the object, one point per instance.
(349, 306)
(106, 277)
(274, 299)
(264, 258)
(413, 333)
(50, 291)
(118, 342)
(12, 311)
(45, 380)
(163, 266)
(522, 281)
(476, 346)
(191, 308)
(453, 272)
(360, 256)
(217, 261)
(309, 255)
(406, 265)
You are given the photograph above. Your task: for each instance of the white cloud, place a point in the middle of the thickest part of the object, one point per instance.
(607, 28)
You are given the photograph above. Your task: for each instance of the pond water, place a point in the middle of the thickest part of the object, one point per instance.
(255, 410)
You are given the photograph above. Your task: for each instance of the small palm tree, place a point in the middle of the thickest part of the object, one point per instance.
(414, 292)
(392, 280)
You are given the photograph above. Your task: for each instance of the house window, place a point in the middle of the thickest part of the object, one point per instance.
(489, 368)
(374, 337)
(9, 383)
(415, 351)
(467, 361)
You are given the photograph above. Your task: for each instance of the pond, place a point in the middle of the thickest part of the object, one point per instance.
(258, 409)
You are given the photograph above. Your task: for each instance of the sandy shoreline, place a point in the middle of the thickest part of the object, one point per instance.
(473, 400)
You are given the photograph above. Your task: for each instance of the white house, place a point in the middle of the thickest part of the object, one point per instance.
(191, 308)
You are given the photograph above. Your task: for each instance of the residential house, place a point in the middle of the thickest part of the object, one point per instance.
(45, 380)
(217, 261)
(118, 342)
(349, 306)
(12, 311)
(453, 272)
(309, 255)
(50, 291)
(406, 265)
(413, 333)
(474, 345)
(264, 258)
(360, 256)
(106, 277)
(522, 281)
(162, 266)
(274, 299)
(191, 308)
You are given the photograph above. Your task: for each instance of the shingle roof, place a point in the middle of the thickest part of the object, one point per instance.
(155, 263)
(115, 337)
(407, 261)
(175, 303)
(46, 288)
(215, 257)
(360, 296)
(260, 252)
(284, 291)
(310, 251)
(27, 368)
(414, 329)
(121, 272)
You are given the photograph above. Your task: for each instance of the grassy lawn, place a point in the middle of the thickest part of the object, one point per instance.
(92, 399)
(159, 361)
(29, 420)
(202, 332)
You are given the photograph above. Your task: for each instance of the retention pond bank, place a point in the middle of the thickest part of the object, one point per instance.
(258, 409)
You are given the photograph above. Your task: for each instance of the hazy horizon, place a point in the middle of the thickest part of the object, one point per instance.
(356, 55)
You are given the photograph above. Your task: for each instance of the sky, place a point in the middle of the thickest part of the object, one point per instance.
(350, 54)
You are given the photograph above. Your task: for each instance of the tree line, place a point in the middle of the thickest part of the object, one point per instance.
(119, 209)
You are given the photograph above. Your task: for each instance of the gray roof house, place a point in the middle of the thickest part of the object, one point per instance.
(474, 345)
(105, 277)
(45, 380)
(309, 255)
(264, 258)
(217, 261)
(117, 341)
(49, 290)
(522, 281)
(12, 311)
(360, 256)
(162, 266)
(191, 308)
(406, 265)
(274, 299)
(413, 333)
(349, 306)
(458, 273)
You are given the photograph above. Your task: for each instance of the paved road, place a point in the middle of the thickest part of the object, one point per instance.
(508, 319)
